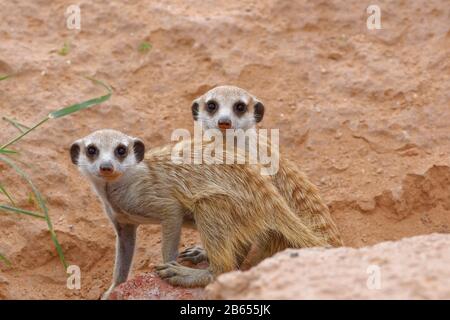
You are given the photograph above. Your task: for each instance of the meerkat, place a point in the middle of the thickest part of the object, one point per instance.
(227, 107)
(230, 107)
(232, 205)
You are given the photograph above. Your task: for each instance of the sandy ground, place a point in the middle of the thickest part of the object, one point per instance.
(365, 113)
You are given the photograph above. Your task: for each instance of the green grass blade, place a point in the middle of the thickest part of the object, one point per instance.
(6, 151)
(4, 77)
(144, 47)
(5, 207)
(65, 49)
(58, 248)
(6, 261)
(20, 136)
(21, 127)
(41, 204)
(66, 111)
(6, 193)
(83, 105)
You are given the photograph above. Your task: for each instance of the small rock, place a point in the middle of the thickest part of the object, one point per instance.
(366, 205)
(149, 286)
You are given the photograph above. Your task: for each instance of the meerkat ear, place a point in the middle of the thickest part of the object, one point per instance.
(259, 111)
(75, 152)
(195, 108)
(139, 150)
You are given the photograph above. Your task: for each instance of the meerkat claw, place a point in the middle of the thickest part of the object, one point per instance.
(165, 271)
(195, 254)
(164, 266)
(179, 275)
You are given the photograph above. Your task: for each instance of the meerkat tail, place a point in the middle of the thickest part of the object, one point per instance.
(287, 231)
(296, 233)
(304, 199)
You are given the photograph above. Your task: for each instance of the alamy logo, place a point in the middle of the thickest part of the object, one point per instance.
(374, 279)
(73, 17)
(74, 278)
(374, 20)
(234, 146)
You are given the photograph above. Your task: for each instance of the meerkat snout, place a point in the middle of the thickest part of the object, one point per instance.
(224, 123)
(227, 107)
(106, 154)
(106, 169)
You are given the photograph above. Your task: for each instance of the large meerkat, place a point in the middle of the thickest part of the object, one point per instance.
(233, 205)
(230, 107)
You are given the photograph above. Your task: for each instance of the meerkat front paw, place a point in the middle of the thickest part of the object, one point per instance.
(194, 254)
(179, 275)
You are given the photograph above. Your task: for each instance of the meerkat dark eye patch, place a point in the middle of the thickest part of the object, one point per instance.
(75, 153)
(195, 108)
(139, 150)
(212, 106)
(259, 111)
(240, 108)
(121, 152)
(92, 151)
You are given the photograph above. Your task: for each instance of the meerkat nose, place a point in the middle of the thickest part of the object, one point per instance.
(224, 123)
(106, 167)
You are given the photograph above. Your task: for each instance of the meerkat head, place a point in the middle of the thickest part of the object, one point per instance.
(106, 154)
(227, 107)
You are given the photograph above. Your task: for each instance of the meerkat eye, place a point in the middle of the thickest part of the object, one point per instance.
(211, 106)
(92, 151)
(240, 107)
(121, 151)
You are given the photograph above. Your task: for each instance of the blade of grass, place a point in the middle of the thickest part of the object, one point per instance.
(4, 77)
(6, 193)
(20, 136)
(6, 261)
(42, 205)
(21, 127)
(65, 49)
(83, 105)
(6, 151)
(66, 111)
(31, 199)
(144, 47)
(5, 207)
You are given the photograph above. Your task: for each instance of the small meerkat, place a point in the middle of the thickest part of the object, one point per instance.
(233, 205)
(230, 107)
